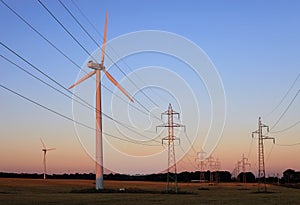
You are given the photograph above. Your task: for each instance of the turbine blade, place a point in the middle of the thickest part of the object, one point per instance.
(51, 149)
(104, 38)
(83, 79)
(117, 85)
(43, 143)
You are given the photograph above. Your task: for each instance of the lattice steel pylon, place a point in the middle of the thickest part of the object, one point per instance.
(238, 170)
(261, 157)
(217, 169)
(244, 164)
(211, 166)
(172, 170)
(235, 171)
(202, 164)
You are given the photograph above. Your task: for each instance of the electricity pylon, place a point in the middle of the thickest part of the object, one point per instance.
(238, 170)
(171, 171)
(211, 166)
(217, 169)
(261, 157)
(244, 163)
(201, 158)
(235, 171)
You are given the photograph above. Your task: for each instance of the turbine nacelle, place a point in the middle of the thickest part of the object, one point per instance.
(95, 66)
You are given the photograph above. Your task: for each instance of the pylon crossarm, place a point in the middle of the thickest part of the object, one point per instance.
(178, 125)
(162, 125)
(162, 114)
(176, 114)
(270, 138)
(253, 133)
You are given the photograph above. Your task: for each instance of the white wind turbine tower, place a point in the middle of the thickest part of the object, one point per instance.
(45, 150)
(96, 69)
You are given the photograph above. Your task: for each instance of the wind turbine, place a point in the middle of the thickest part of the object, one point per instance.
(97, 68)
(45, 150)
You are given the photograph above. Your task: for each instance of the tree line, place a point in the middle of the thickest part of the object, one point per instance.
(289, 176)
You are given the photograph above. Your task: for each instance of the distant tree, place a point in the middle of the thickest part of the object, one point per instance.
(249, 177)
(225, 176)
(291, 176)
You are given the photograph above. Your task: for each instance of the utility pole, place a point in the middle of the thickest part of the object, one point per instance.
(261, 158)
(172, 171)
(201, 158)
(244, 164)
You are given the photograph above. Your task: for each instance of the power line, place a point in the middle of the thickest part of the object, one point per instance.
(268, 156)
(60, 85)
(190, 161)
(285, 95)
(250, 148)
(57, 49)
(68, 58)
(33, 66)
(44, 107)
(287, 128)
(86, 51)
(288, 145)
(86, 18)
(36, 31)
(39, 79)
(66, 30)
(87, 105)
(82, 27)
(66, 117)
(289, 105)
(192, 146)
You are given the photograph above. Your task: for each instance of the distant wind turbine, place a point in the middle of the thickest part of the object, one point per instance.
(96, 70)
(45, 150)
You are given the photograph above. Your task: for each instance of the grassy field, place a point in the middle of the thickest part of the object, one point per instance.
(36, 191)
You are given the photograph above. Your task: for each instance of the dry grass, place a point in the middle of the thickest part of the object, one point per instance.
(35, 191)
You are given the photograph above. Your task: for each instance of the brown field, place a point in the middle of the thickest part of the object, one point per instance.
(36, 191)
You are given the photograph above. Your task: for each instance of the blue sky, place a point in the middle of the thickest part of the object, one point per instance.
(253, 44)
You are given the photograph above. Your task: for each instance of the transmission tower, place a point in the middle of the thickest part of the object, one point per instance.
(171, 171)
(235, 172)
(211, 166)
(201, 158)
(217, 169)
(244, 163)
(261, 158)
(238, 164)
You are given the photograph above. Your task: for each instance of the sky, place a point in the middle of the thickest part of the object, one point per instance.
(250, 50)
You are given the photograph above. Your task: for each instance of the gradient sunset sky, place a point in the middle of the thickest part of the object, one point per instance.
(254, 46)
